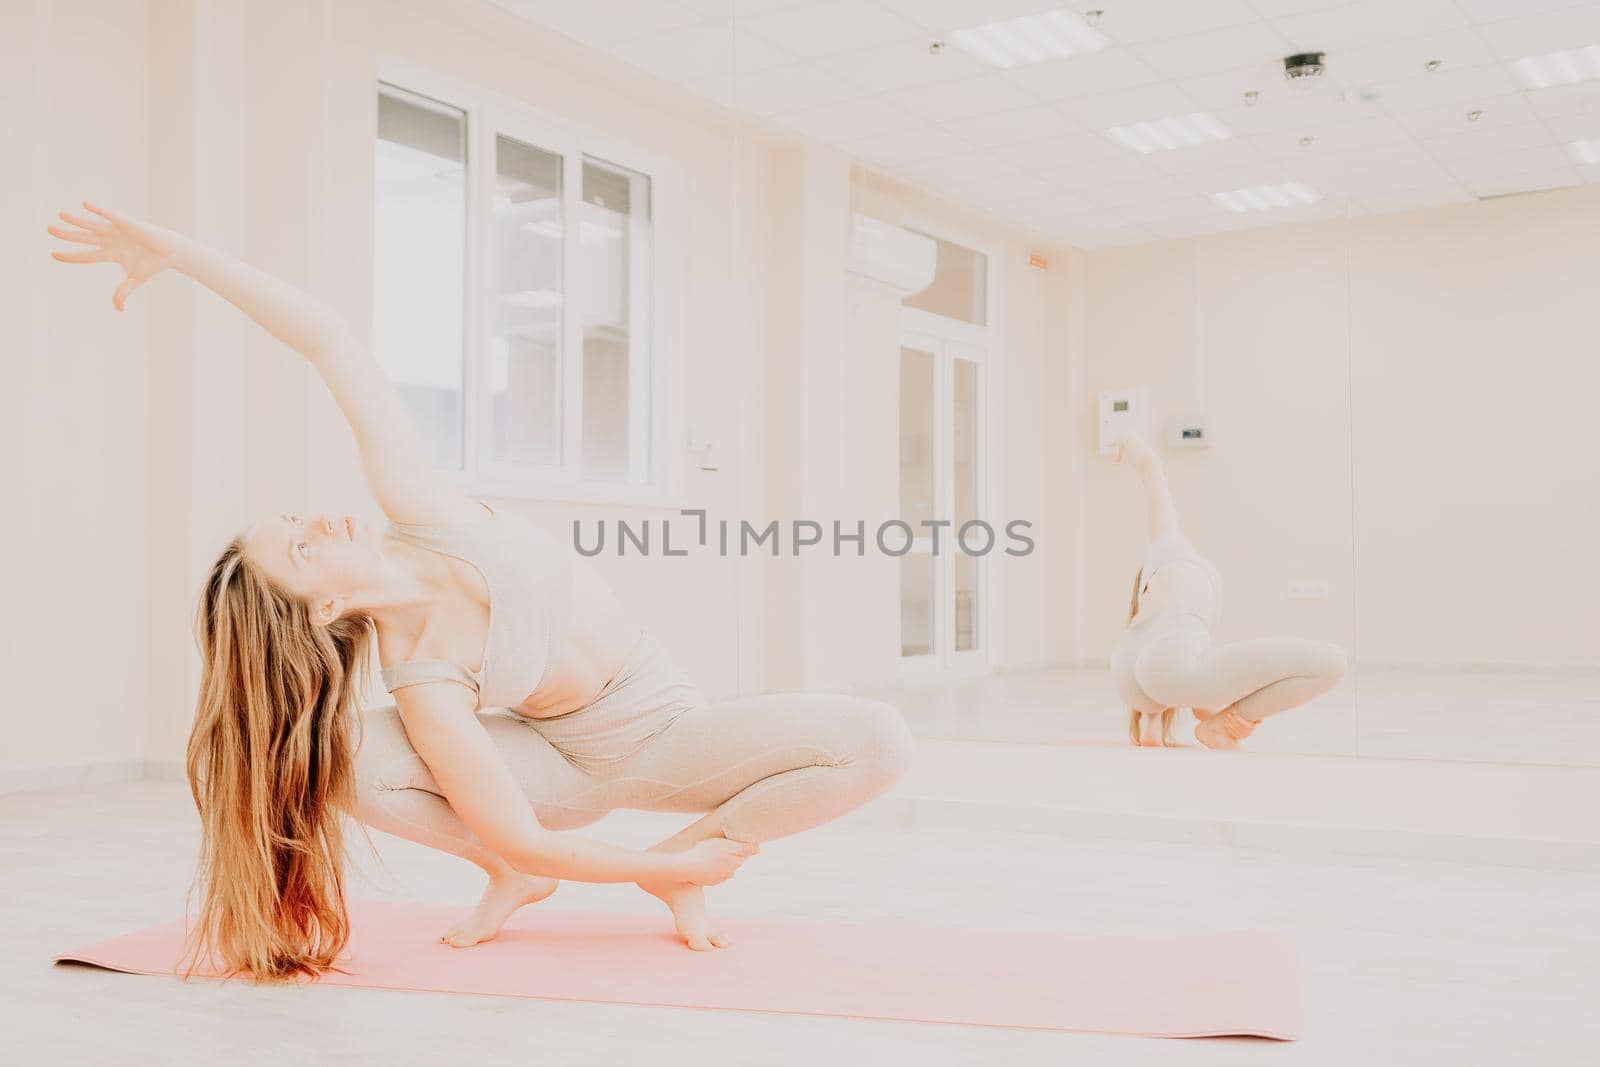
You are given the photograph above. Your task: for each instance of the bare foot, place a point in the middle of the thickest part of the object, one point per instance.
(1150, 731)
(504, 895)
(1213, 732)
(688, 904)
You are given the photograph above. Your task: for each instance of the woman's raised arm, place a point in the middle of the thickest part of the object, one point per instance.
(393, 457)
(1162, 514)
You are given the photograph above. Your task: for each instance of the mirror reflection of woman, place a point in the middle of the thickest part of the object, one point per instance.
(1166, 658)
(468, 608)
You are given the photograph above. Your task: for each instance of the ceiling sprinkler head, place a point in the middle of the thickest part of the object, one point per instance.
(1092, 17)
(1305, 142)
(1250, 98)
(1303, 68)
(1474, 115)
(935, 47)
(1432, 65)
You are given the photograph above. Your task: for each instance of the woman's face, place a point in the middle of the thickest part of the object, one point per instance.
(319, 558)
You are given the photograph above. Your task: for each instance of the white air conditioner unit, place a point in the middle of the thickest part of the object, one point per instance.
(891, 255)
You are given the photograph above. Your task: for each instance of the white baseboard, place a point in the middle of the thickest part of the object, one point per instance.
(109, 772)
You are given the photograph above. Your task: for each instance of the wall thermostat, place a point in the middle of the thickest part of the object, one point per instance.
(1120, 408)
(1188, 431)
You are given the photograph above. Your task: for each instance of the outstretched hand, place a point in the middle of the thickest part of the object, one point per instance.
(141, 250)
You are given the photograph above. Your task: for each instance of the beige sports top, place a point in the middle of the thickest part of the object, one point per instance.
(529, 575)
(1189, 583)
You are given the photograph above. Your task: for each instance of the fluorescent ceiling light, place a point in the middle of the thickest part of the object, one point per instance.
(1177, 131)
(1559, 68)
(1030, 39)
(1586, 152)
(1266, 197)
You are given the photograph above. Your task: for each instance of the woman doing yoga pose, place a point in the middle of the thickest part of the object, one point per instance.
(469, 608)
(1166, 659)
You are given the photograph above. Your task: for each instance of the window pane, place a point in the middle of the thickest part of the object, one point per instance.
(419, 272)
(614, 280)
(916, 604)
(960, 288)
(964, 452)
(525, 243)
(916, 438)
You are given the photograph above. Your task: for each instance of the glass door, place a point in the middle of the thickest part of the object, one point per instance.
(943, 606)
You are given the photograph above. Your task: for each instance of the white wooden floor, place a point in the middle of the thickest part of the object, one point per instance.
(1407, 962)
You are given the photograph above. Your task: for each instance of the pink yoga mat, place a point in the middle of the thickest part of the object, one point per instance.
(1206, 985)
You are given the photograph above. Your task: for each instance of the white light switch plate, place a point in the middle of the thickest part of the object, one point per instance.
(1308, 590)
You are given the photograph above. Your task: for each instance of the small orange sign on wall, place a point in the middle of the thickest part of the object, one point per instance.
(1037, 259)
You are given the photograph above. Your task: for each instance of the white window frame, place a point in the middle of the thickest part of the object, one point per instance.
(949, 339)
(655, 317)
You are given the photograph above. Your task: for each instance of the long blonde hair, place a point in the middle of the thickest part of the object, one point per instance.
(1133, 713)
(271, 768)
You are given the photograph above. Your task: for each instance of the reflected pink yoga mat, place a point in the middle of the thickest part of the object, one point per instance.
(1207, 985)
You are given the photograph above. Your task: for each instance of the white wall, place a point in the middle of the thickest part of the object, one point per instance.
(74, 403)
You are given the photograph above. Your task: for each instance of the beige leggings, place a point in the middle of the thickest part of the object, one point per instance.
(768, 765)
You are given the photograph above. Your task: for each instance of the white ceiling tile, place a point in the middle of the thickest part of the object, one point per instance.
(1582, 126)
(741, 8)
(1580, 99)
(1064, 150)
(830, 29)
(1186, 207)
(1494, 10)
(1212, 158)
(1028, 125)
(1332, 138)
(1227, 89)
(898, 147)
(1403, 58)
(799, 85)
(1154, 190)
(1272, 9)
(1094, 175)
(693, 52)
(602, 23)
(1109, 237)
(1355, 25)
(960, 169)
(1523, 182)
(982, 95)
(1129, 105)
(1492, 139)
(1452, 118)
(1042, 211)
(1133, 21)
(1296, 114)
(1473, 169)
(1355, 176)
(1411, 199)
(752, 53)
(1214, 50)
(1445, 87)
(1086, 74)
(1573, 27)
(850, 120)
(1010, 189)
(1200, 226)
(885, 68)
(941, 15)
